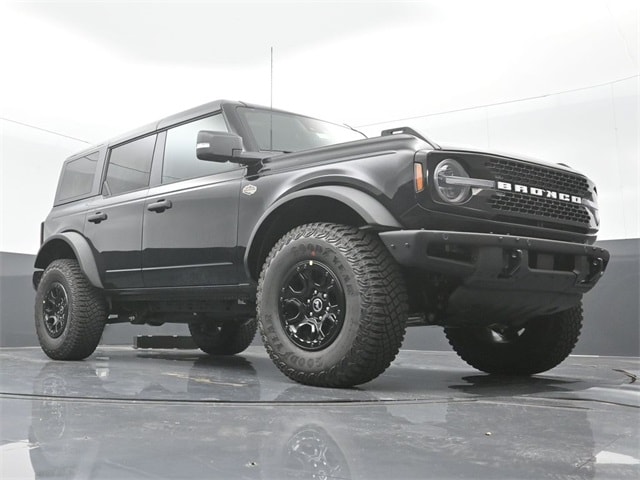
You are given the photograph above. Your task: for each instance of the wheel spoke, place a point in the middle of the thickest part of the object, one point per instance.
(305, 322)
(293, 310)
(322, 279)
(51, 298)
(326, 323)
(300, 285)
(334, 310)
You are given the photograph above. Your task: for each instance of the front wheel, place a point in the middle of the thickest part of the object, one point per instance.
(332, 305)
(225, 339)
(70, 313)
(538, 346)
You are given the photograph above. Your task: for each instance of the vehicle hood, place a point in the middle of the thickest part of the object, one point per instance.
(368, 147)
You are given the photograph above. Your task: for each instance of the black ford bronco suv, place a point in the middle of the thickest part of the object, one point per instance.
(229, 216)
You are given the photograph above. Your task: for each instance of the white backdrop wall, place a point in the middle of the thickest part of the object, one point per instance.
(79, 72)
(30, 161)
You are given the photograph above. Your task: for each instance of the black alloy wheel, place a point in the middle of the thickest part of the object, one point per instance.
(312, 305)
(55, 309)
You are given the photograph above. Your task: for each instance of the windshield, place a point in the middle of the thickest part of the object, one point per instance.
(286, 132)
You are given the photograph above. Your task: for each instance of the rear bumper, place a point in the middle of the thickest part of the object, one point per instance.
(500, 274)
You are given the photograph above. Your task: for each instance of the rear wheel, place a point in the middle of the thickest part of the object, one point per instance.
(332, 305)
(223, 339)
(70, 313)
(538, 346)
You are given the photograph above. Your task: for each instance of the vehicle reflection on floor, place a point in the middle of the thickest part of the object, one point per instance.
(126, 414)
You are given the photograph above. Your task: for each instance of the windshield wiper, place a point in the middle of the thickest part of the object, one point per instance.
(278, 151)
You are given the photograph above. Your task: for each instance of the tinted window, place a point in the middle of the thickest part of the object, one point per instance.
(180, 161)
(130, 166)
(77, 177)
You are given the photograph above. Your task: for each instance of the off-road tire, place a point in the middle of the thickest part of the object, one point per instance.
(542, 344)
(226, 339)
(373, 324)
(78, 335)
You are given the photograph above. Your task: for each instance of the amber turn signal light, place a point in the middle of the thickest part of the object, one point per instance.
(418, 174)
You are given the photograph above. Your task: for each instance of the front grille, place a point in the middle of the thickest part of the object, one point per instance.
(541, 207)
(537, 176)
(539, 210)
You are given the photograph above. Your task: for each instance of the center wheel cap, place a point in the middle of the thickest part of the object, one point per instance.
(317, 305)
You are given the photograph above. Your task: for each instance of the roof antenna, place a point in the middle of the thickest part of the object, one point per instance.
(271, 106)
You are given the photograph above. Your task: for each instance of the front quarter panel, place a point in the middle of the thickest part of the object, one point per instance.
(382, 173)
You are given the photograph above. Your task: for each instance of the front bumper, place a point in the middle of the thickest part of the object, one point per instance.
(500, 274)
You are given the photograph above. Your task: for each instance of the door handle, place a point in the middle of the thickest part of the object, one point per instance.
(97, 217)
(159, 206)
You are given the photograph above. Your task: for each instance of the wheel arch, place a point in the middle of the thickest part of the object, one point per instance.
(70, 245)
(335, 204)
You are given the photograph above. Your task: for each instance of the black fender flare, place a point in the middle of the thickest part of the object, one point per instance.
(82, 251)
(366, 206)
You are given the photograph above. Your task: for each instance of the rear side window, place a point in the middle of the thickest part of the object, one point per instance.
(130, 166)
(180, 160)
(77, 177)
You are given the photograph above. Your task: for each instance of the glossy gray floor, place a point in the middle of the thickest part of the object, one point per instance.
(127, 413)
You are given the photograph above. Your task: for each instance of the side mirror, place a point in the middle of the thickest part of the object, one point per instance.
(219, 146)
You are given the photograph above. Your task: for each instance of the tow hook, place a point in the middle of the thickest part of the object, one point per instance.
(596, 269)
(512, 263)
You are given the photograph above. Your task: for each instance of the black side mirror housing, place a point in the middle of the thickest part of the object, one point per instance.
(218, 146)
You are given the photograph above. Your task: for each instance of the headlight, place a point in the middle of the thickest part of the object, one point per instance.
(449, 182)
